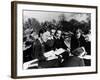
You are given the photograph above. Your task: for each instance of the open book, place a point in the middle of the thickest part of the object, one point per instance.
(81, 52)
(59, 51)
(53, 54)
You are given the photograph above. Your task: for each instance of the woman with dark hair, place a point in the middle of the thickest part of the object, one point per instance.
(77, 40)
(59, 44)
(59, 41)
(40, 48)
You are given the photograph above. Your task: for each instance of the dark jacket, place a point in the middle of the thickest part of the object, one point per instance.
(38, 50)
(49, 45)
(75, 43)
(59, 43)
(73, 61)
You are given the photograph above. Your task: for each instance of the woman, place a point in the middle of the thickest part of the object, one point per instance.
(40, 48)
(77, 40)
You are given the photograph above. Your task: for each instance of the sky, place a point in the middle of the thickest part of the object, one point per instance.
(42, 16)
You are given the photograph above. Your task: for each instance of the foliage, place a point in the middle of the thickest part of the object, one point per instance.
(33, 25)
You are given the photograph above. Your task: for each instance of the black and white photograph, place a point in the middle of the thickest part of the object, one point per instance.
(56, 39)
(53, 39)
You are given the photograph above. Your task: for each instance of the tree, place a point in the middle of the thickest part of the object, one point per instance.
(32, 25)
